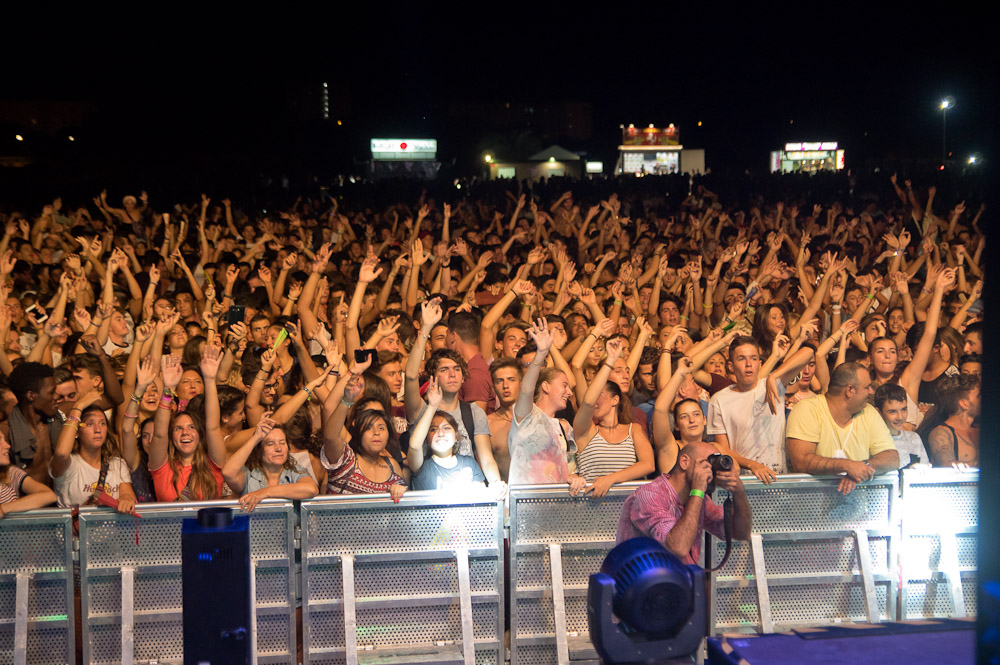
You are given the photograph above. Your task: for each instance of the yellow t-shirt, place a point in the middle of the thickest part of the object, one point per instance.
(866, 436)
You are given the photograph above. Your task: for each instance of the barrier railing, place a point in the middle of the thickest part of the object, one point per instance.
(815, 556)
(130, 582)
(420, 581)
(940, 521)
(36, 588)
(556, 542)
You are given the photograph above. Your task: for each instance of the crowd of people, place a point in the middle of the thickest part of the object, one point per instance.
(156, 352)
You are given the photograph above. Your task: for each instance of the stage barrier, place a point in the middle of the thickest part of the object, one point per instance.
(419, 581)
(130, 582)
(36, 588)
(940, 521)
(815, 556)
(556, 542)
(422, 579)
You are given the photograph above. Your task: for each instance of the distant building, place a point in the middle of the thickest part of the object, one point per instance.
(554, 161)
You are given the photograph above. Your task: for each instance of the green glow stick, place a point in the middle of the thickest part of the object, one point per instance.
(281, 338)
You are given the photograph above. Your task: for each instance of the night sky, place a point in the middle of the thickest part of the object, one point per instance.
(870, 79)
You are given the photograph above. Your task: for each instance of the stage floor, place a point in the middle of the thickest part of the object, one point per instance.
(932, 642)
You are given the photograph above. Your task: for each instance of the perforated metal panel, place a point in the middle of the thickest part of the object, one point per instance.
(810, 562)
(585, 528)
(152, 546)
(38, 544)
(939, 527)
(405, 574)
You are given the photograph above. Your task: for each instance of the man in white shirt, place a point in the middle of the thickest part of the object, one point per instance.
(748, 418)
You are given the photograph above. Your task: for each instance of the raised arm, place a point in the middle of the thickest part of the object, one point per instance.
(415, 455)
(583, 422)
(61, 452)
(430, 314)
(232, 471)
(335, 409)
(210, 359)
(540, 333)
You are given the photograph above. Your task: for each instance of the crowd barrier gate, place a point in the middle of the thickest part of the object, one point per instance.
(130, 582)
(940, 520)
(36, 588)
(416, 582)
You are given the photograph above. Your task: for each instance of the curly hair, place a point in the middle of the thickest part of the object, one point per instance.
(447, 354)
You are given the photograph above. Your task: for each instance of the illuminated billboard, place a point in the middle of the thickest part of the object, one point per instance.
(403, 149)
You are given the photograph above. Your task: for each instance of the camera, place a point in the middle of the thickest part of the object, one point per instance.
(719, 463)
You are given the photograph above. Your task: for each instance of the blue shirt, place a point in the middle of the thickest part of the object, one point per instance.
(255, 479)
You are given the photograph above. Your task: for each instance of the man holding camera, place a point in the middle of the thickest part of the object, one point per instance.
(674, 509)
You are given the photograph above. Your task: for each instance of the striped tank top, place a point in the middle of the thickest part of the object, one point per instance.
(601, 457)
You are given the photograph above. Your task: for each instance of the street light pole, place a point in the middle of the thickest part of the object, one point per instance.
(946, 104)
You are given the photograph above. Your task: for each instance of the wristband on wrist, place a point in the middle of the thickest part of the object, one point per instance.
(346, 403)
(135, 398)
(698, 493)
(611, 367)
(309, 394)
(168, 392)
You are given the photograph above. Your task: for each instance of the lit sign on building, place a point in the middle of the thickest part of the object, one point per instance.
(812, 147)
(404, 148)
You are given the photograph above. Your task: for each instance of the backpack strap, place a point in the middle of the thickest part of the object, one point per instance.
(469, 422)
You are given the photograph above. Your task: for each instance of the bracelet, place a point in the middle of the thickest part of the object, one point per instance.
(697, 493)
(837, 308)
(74, 420)
(169, 392)
(618, 302)
(870, 296)
(309, 394)
(135, 398)
(611, 367)
(76, 408)
(596, 336)
(686, 318)
(346, 403)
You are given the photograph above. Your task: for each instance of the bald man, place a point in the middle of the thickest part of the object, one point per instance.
(674, 510)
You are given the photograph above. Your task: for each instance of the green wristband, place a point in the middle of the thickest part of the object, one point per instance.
(697, 493)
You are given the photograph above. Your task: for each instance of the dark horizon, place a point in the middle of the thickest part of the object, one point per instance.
(874, 85)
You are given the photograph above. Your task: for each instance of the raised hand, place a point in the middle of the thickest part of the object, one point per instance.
(145, 372)
(430, 314)
(368, 272)
(614, 349)
(434, 394)
(210, 359)
(541, 334)
(172, 370)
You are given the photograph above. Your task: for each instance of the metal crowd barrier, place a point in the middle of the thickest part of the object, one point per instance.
(130, 582)
(556, 542)
(940, 521)
(417, 582)
(423, 580)
(815, 556)
(36, 588)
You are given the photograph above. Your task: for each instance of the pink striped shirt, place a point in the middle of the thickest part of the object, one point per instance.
(654, 509)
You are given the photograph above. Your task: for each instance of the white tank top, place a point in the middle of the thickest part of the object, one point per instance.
(601, 457)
